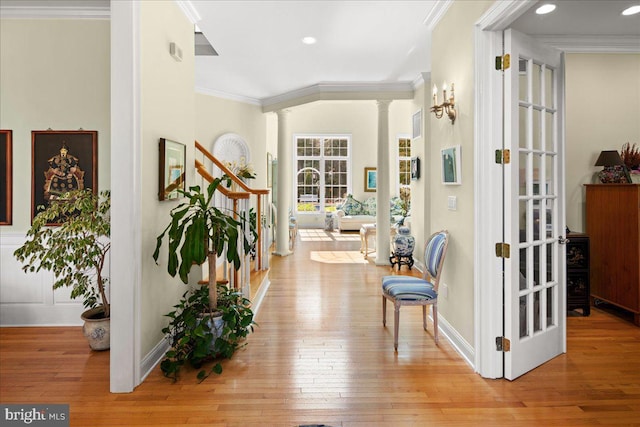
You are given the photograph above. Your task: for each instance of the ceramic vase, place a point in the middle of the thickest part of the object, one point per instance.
(403, 242)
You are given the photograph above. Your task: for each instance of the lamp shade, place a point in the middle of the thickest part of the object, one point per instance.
(609, 158)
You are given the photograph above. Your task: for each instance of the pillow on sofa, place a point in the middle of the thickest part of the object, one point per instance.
(351, 206)
(369, 206)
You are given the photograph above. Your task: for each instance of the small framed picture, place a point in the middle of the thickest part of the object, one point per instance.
(172, 169)
(62, 161)
(451, 166)
(370, 179)
(417, 124)
(5, 177)
(415, 168)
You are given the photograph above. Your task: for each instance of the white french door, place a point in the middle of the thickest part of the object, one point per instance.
(534, 218)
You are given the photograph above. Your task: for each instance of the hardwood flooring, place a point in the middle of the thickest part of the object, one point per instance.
(321, 356)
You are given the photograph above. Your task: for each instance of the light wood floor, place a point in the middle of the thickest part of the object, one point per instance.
(321, 356)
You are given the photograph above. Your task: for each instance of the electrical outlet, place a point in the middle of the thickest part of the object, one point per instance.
(444, 290)
(452, 203)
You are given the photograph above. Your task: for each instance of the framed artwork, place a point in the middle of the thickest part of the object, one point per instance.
(171, 169)
(5, 177)
(416, 124)
(62, 161)
(370, 179)
(269, 170)
(415, 168)
(451, 166)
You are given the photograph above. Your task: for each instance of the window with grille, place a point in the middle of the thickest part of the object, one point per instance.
(322, 172)
(404, 162)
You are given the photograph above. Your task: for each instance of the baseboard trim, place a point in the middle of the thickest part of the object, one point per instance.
(262, 292)
(459, 343)
(152, 358)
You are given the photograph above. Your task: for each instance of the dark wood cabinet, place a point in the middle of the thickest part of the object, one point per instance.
(578, 289)
(613, 226)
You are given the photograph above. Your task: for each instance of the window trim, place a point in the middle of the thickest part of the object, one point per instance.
(322, 158)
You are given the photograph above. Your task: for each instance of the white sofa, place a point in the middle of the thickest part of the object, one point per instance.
(352, 214)
(353, 222)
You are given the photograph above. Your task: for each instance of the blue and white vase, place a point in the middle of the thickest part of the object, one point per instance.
(403, 242)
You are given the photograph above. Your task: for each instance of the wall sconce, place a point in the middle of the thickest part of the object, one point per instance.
(447, 106)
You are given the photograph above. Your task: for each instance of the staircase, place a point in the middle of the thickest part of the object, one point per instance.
(240, 199)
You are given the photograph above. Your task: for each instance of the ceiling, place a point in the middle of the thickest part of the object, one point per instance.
(261, 54)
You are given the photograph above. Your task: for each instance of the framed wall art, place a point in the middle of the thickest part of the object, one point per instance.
(370, 179)
(415, 168)
(450, 158)
(6, 175)
(172, 169)
(416, 124)
(62, 161)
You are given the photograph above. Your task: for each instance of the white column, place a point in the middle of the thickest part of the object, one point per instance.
(284, 184)
(383, 215)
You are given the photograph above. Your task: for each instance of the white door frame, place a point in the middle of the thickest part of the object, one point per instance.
(488, 272)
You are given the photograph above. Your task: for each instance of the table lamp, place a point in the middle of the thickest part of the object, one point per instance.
(614, 169)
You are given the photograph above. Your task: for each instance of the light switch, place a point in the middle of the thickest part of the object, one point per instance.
(452, 203)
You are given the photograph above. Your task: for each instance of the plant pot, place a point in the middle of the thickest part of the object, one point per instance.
(215, 324)
(97, 328)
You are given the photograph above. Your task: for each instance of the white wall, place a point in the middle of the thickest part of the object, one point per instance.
(452, 61)
(167, 111)
(217, 116)
(53, 74)
(603, 111)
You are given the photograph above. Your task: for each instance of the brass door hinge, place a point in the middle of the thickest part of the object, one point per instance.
(503, 250)
(503, 157)
(503, 62)
(503, 344)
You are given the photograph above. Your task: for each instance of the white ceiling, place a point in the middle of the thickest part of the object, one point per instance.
(261, 55)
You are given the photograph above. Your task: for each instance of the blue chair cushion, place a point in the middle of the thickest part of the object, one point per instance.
(408, 288)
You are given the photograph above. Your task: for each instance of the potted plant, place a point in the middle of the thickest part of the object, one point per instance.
(199, 232)
(630, 155)
(196, 342)
(75, 251)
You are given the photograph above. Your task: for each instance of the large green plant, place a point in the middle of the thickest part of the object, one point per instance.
(193, 337)
(75, 250)
(199, 231)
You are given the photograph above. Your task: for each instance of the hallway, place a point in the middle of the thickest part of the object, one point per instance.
(321, 356)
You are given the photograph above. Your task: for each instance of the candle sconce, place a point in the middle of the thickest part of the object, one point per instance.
(447, 106)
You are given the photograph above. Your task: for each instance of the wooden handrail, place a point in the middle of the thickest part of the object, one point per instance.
(228, 172)
(235, 195)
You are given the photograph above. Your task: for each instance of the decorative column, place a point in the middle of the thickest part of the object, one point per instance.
(284, 184)
(383, 215)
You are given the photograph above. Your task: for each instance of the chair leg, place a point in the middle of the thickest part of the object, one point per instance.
(384, 311)
(424, 317)
(396, 324)
(434, 309)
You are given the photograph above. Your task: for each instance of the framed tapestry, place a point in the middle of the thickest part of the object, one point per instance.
(62, 161)
(370, 179)
(5, 177)
(172, 169)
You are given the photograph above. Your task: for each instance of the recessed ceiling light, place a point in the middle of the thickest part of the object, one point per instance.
(309, 40)
(631, 10)
(546, 8)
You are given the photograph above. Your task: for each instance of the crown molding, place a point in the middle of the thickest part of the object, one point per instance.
(421, 79)
(592, 44)
(436, 13)
(229, 96)
(189, 10)
(15, 10)
(339, 91)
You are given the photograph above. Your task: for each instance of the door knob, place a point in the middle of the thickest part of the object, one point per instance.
(562, 240)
